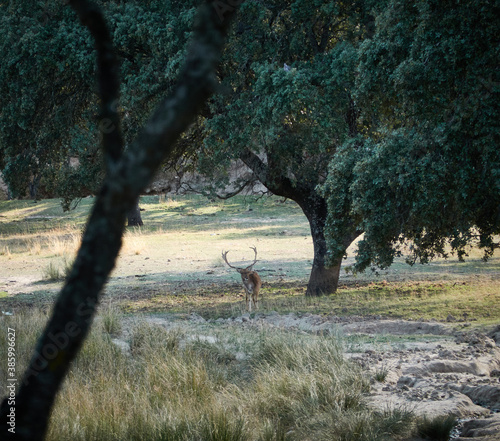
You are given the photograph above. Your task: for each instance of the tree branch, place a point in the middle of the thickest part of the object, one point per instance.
(270, 176)
(75, 307)
(108, 80)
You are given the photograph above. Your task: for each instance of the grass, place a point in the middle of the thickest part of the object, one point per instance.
(173, 264)
(465, 301)
(176, 385)
(436, 429)
(220, 383)
(57, 271)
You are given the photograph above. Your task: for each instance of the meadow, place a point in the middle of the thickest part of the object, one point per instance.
(136, 379)
(174, 264)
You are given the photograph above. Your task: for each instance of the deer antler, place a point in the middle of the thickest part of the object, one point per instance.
(224, 256)
(255, 260)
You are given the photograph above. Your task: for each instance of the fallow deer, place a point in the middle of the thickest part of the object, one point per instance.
(251, 281)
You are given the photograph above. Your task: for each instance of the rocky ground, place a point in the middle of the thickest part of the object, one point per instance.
(430, 368)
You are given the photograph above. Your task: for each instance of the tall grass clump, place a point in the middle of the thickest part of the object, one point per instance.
(133, 242)
(27, 325)
(438, 428)
(180, 386)
(54, 272)
(5, 251)
(51, 272)
(111, 319)
(305, 389)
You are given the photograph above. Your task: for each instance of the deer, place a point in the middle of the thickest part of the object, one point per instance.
(251, 281)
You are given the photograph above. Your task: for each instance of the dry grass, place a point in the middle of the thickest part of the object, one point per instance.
(176, 385)
(134, 242)
(5, 251)
(54, 242)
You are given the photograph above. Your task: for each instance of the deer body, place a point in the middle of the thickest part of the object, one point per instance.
(251, 281)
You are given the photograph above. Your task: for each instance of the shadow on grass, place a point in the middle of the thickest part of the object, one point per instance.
(36, 299)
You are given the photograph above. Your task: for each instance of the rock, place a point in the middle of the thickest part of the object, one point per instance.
(396, 327)
(495, 335)
(486, 429)
(196, 318)
(428, 402)
(123, 345)
(486, 396)
(477, 367)
(406, 381)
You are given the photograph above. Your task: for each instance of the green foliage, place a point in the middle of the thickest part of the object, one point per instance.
(388, 111)
(429, 172)
(296, 118)
(47, 83)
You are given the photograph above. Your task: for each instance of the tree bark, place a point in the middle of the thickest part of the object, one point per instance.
(33, 187)
(134, 217)
(324, 279)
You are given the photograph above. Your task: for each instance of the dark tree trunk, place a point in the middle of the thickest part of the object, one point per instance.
(324, 278)
(33, 187)
(134, 216)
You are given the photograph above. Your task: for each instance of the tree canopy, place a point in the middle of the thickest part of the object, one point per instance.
(427, 172)
(49, 98)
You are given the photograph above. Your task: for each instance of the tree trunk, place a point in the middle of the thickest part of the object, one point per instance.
(33, 187)
(134, 216)
(324, 279)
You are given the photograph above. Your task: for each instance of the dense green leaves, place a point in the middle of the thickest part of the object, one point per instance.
(47, 83)
(427, 87)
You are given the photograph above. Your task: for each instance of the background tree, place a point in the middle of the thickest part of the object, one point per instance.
(127, 174)
(47, 114)
(289, 72)
(427, 172)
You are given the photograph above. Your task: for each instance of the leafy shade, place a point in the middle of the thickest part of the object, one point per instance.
(49, 98)
(427, 173)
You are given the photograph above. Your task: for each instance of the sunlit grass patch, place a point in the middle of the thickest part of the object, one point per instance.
(442, 301)
(134, 242)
